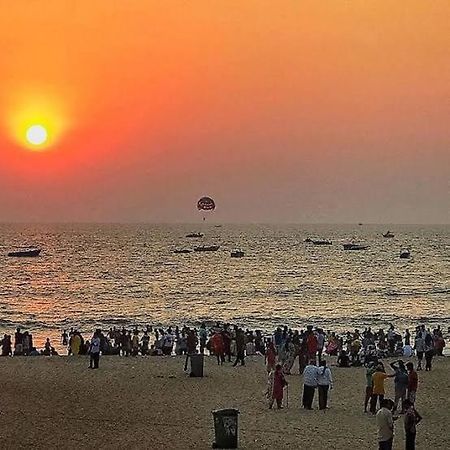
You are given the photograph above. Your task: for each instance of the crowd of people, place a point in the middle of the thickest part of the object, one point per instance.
(281, 349)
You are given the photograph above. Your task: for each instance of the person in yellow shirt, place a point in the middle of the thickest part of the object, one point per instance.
(378, 392)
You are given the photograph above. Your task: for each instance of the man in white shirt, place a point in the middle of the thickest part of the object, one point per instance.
(385, 424)
(309, 384)
(94, 351)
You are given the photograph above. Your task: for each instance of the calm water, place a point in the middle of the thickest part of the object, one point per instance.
(105, 275)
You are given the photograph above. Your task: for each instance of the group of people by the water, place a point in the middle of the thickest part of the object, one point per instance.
(280, 349)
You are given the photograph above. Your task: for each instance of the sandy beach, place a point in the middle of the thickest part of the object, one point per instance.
(48, 402)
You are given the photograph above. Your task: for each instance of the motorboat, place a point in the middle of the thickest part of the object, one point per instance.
(30, 253)
(194, 235)
(355, 247)
(405, 253)
(237, 254)
(308, 240)
(388, 234)
(207, 248)
(183, 250)
(321, 242)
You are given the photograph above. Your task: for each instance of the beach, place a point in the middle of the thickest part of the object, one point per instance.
(149, 402)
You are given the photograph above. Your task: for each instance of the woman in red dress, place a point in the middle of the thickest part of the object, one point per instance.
(278, 384)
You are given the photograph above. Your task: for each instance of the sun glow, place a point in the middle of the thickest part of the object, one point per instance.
(36, 122)
(37, 135)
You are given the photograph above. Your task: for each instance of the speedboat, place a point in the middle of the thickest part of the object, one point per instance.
(388, 234)
(183, 250)
(308, 240)
(405, 253)
(355, 247)
(31, 253)
(207, 248)
(321, 242)
(237, 254)
(194, 235)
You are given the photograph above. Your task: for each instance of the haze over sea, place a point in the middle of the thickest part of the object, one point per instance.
(124, 275)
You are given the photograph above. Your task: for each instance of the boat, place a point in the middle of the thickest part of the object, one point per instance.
(207, 248)
(388, 234)
(194, 235)
(355, 247)
(405, 253)
(237, 254)
(31, 253)
(321, 242)
(308, 240)
(183, 250)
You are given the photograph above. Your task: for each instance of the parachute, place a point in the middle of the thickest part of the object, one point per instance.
(206, 205)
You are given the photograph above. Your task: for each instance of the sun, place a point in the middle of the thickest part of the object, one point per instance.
(37, 135)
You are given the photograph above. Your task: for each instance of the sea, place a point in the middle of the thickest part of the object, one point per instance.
(104, 275)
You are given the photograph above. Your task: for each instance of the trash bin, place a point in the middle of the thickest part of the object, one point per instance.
(226, 428)
(197, 365)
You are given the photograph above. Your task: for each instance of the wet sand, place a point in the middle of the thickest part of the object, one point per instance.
(150, 403)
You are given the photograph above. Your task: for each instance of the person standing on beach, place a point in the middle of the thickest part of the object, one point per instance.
(411, 419)
(400, 382)
(413, 382)
(310, 375)
(324, 383)
(218, 347)
(429, 351)
(320, 343)
(270, 356)
(94, 351)
(191, 342)
(419, 346)
(203, 337)
(240, 347)
(385, 424)
(369, 383)
(277, 382)
(64, 338)
(378, 387)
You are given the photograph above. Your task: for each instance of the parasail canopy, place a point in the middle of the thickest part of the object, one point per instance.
(206, 204)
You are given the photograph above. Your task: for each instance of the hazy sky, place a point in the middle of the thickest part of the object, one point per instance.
(282, 111)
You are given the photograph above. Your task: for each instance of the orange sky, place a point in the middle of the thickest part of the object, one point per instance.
(300, 111)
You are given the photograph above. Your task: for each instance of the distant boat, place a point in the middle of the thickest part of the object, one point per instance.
(308, 240)
(237, 254)
(184, 250)
(31, 253)
(405, 253)
(194, 235)
(207, 248)
(322, 242)
(355, 247)
(388, 234)
(360, 224)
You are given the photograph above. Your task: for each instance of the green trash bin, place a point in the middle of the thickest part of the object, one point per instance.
(226, 428)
